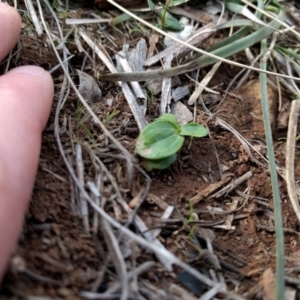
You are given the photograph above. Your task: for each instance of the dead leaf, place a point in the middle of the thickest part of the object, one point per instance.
(88, 87)
(268, 284)
(283, 117)
(153, 40)
(182, 113)
(135, 201)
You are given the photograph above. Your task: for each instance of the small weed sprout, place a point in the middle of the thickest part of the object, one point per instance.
(110, 116)
(167, 21)
(159, 142)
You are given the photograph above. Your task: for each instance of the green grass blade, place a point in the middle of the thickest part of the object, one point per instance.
(236, 23)
(243, 43)
(274, 180)
(120, 19)
(240, 33)
(287, 52)
(243, 10)
(235, 37)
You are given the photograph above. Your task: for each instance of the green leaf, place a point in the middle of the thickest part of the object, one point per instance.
(120, 19)
(151, 5)
(170, 118)
(155, 132)
(193, 129)
(171, 23)
(236, 23)
(159, 164)
(158, 140)
(243, 10)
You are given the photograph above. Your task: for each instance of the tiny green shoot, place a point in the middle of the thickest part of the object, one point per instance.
(110, 116)
(159, 141)
(167, 21)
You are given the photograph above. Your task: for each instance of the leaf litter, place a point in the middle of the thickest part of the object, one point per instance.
(99, 227)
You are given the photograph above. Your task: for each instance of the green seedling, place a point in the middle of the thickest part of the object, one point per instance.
(79, 114)
(166, 20)
(110, 116)
(159, 142)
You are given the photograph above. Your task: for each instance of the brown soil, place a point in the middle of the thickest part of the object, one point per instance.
(57, 259)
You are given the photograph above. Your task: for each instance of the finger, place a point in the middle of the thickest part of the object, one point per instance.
(25, 100)
(10, 27)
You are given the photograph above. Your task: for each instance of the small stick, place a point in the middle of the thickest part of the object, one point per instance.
(196, 39)
(135, 86)
(166, 88)
(135, 272)
(211, 188)
(96, 196)
(166, 215)
(83, 204)
(233, 185)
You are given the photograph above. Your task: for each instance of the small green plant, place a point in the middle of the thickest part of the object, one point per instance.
(167, 21)
(159, 142)
(111, 115)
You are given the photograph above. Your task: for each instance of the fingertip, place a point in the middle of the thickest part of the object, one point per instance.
(10, 27)
(6, 9)
(36, 87)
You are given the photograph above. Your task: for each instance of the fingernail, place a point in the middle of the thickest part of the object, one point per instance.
(30, 70)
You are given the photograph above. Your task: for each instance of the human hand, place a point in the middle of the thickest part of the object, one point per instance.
(26, 95)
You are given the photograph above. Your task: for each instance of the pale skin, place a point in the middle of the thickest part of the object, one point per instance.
(26, 95)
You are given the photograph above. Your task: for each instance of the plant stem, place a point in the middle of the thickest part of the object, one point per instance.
(163, 16)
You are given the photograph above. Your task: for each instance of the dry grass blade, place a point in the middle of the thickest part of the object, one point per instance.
(200, 87)
(181, 51)
(167, 214)
(166, 88)
(115, 287)
(83, 204)
(96, 195)
(117, 257)
(211, 293)
(34, 17)
(136, 87)
(290, 156)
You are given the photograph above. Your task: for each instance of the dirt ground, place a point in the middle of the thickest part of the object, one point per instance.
(57, 259)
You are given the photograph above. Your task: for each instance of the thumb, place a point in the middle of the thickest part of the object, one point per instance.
(25, 100)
